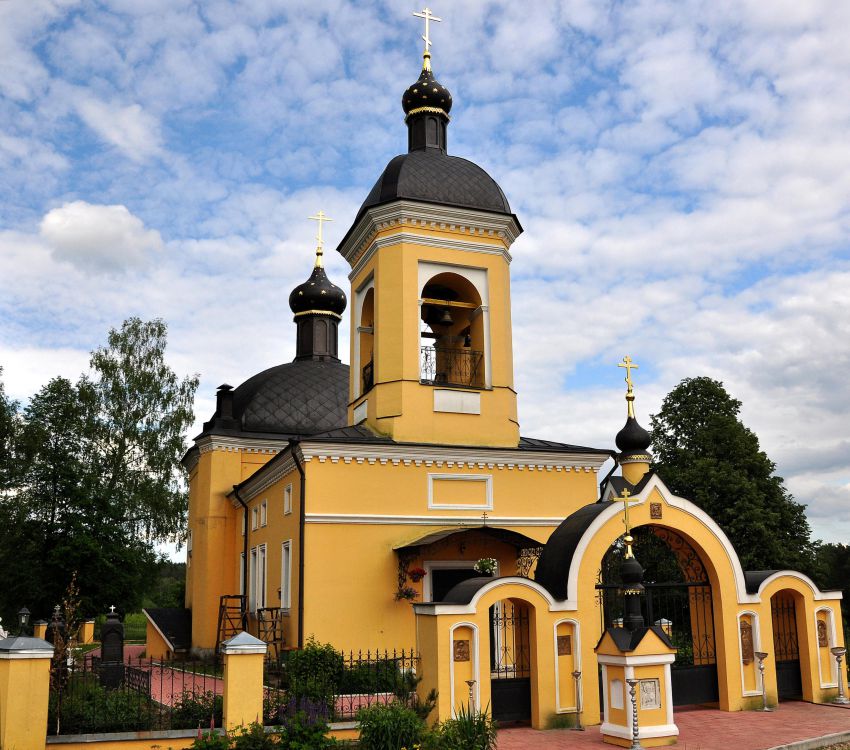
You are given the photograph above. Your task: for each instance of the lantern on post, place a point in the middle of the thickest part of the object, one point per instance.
(23, 620)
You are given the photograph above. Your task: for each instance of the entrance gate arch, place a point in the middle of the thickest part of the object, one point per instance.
(678, 598)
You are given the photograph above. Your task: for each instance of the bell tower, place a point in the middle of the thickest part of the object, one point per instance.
(431, 358)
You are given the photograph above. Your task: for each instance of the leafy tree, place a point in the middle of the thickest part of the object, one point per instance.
(705, 453)
(9, 422)
(98, 479)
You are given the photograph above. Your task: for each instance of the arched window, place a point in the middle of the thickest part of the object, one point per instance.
(452, 332)
(366, 341)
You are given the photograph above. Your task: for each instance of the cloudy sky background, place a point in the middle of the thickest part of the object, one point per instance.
(682, 171)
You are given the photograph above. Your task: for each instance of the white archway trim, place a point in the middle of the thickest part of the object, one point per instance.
(476, 672)
(576, 663)
(832, 641)
(690, 508)
(472, 607)
(756, 647)
(359, 300)
(817, 594)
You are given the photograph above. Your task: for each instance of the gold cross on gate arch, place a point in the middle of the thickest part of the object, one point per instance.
(429, 16)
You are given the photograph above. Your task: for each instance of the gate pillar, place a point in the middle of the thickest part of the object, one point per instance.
(644, 655)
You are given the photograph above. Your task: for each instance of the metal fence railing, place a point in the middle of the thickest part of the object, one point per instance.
(89, 695)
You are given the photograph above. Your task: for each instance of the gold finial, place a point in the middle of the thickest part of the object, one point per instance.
(628, 539)
(630, 394)
(320, 247)
(428, 15)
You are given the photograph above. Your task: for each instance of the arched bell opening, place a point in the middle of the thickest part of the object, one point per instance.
(366, 341)
(678, 598)
(452, 332)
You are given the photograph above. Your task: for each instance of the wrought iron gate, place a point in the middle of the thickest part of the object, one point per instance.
(683, 608)
(510, 662)
(783, 614)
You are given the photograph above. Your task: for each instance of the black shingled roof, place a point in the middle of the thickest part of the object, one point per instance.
(175, 624)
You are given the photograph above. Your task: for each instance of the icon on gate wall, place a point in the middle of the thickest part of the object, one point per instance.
(461, 650)
(822, 639)
(565, 646)
(747, 650)
(655, 511)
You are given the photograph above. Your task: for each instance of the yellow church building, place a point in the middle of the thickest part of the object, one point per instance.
(351, 503)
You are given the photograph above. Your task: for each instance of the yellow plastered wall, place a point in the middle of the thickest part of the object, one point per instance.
(823, 621)
(617, 694)
(243, 689)
(155, 645)
(399, 405)
(86, 632)
(24, 689)
(749, 668)
(215, 524)
(464, 653)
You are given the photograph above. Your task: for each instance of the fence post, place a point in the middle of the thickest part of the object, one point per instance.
(243, 680)
(24, 692)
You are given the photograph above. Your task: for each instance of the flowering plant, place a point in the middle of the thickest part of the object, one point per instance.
(406, 593)
(486, 565)
(417, 574)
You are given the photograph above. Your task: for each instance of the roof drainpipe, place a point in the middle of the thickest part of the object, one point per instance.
(244, 560)
(608, 475)
(293, 446)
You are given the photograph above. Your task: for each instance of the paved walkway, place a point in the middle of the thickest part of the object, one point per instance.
(705, 729)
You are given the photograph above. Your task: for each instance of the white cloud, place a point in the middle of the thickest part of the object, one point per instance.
(130, 128)
(99, 238)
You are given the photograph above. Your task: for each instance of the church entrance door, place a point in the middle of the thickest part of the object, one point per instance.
(678, 598)
(786, 647)
(510, 661)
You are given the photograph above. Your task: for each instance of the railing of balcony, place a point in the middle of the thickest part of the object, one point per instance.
(464, 367)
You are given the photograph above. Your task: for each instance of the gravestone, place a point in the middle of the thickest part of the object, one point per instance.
(112, 651)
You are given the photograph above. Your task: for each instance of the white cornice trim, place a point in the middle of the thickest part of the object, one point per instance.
(426, 241)
(452, 456)
(636, 660)
(472, 522)
(209, 443)
(400, 212)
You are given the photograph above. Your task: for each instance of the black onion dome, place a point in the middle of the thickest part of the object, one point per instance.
(427, 92)
(317, 293)
(633, 437)
(435, 177)
(631, 572)
(298, 398)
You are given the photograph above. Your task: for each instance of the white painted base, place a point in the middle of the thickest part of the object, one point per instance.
(661, 730)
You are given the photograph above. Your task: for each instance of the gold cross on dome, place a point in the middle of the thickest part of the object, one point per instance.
(629, 365)
(321, 217)
(428, 15)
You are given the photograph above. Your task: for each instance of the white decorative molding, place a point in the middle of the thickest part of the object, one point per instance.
(209, 443)
(576, 649)
(433, 610)
(459, 521)
(468, 222)
(487, 479)
(264, 478)
(457, 401)
(475, 665)
(756, 647)
(831, 641)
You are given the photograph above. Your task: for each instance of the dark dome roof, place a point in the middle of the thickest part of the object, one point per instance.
(633, 437)
(426, 93)
(297, 398)
(435, 177)
(317, 293)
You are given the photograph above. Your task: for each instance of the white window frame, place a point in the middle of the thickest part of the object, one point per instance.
(241, 573)
(255, 518)
(252, 580)
(260, 578)
(287, 499)
(264, 513)
(286, 575)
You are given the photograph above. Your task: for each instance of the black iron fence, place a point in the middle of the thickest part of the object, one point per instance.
(138, 695)
(335, 685)
(464, 367)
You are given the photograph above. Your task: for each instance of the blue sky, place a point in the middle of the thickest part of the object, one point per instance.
(681, 169)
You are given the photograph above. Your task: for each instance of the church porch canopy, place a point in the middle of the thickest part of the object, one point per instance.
(508, 536)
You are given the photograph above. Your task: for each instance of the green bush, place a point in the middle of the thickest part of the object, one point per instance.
(314, 672)
(389, 727)
(470, 730)
(303, 733)
(254, 737)
(211, 741)
(191, 710)
(84, 706)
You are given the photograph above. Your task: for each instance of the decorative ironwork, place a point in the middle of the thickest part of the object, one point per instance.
(526, 560)
(783, 613)
(692, 568)
(510, 651)
(440, 366)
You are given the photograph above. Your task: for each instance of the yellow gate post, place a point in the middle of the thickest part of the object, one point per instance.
(243, 680)
(24, 692)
